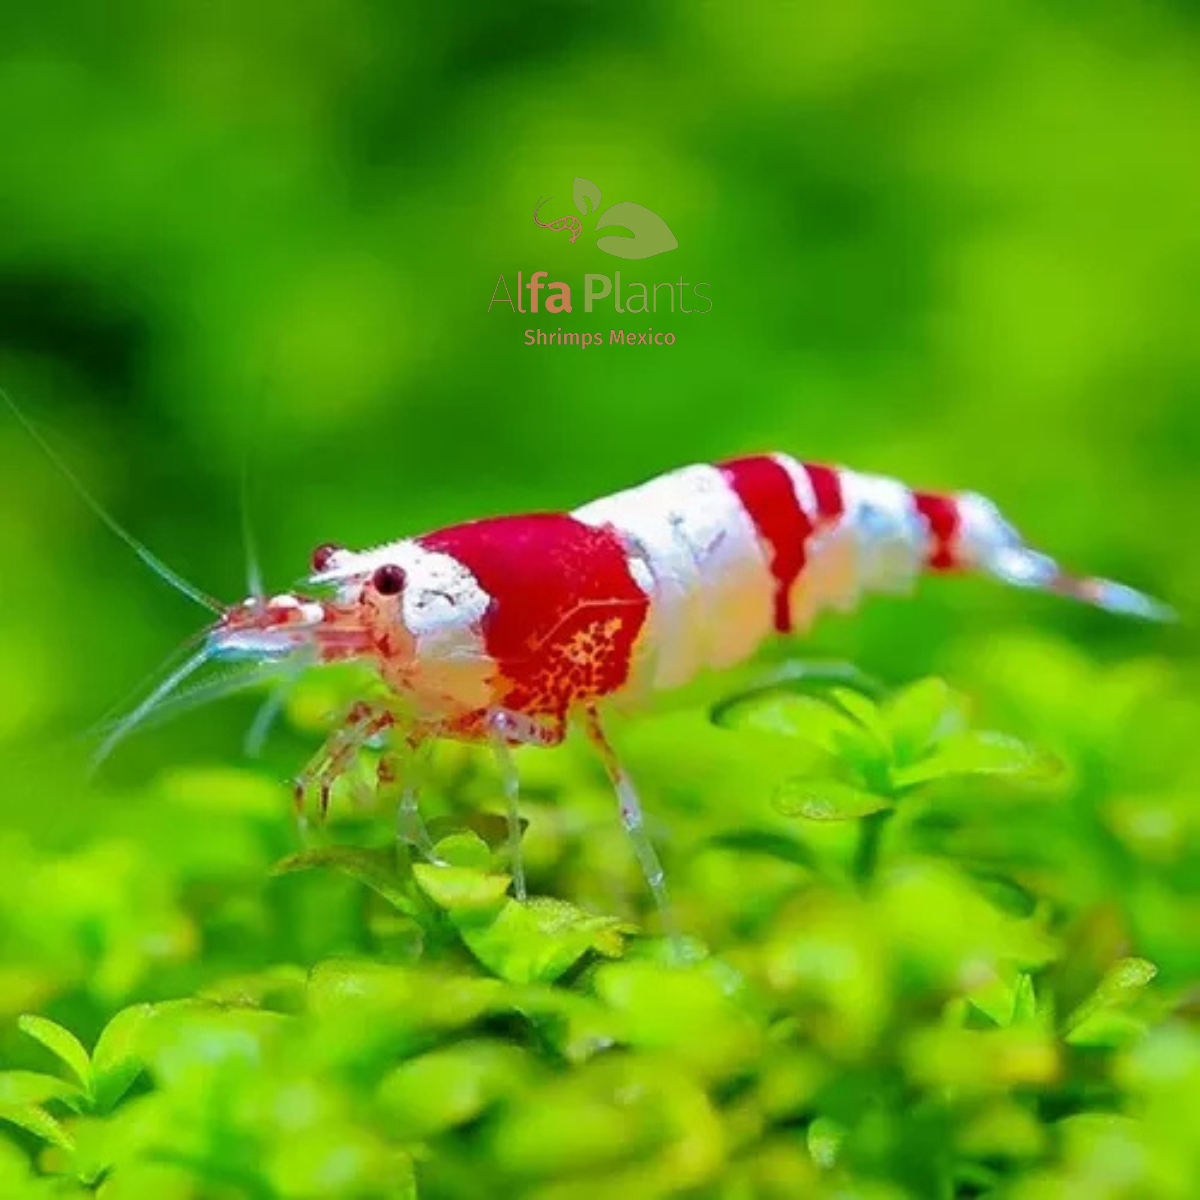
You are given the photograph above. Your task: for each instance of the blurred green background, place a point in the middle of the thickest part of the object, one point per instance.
(954, 243)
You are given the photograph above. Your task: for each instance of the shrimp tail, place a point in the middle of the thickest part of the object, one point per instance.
(987, 543)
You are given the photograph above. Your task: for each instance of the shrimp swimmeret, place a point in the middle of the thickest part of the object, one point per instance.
(506, 631)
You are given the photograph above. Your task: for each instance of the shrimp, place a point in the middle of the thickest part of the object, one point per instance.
(507, 631)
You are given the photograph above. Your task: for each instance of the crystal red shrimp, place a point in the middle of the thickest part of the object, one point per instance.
(507, 630)
(504, 631)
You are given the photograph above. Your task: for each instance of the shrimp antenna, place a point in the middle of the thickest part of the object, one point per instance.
(254, 576)
(270, 709)
(185, 699)
(127, 724)
(156, 564)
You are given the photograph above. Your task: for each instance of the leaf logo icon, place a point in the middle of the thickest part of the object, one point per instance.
(648, 234)
(586, 195)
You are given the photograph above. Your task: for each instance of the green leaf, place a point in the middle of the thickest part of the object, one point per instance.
(866, 713)
(1001, 1128)
(38, 1122)
(451, 1086)
(772, 845)
(464, 849)
(698, 1013)
(1108, 1029)
(1004, 893)
(805, 717)
(1025, 1007)
(375, 868)
(490, 827)
(1122, 984)
(522, 942)
(190, 1042)
(463, 892)
(918, 716)
(805, 677)
(365, 1009)
(993, 1059)
(617, 1119)
(19, 1088)
(280, 988)
(577, 1026)
(60, 1042)
(827, 800)
(978, 752)
(825, 1138)
(118, 1058)
(536, 942)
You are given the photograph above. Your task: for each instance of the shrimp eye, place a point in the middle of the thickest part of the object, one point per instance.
(388, 580)
(322, 556)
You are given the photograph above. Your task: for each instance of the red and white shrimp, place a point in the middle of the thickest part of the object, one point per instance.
(505, 631)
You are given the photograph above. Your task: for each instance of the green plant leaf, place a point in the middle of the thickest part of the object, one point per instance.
(453, 1085)
(118, 1058)
(462, 891)
(19, 1088)
(920, 715)
(978, 752)
(62, 1043)
(1108, 1029)
(866, 712)
(523, 942)
(464, 849)
(1122, 984)
(38, 1122)
(773, 845)
(823, 726)
(1025, 1005)
(993, 1059)
(804, 677)
(699, 1013)
(825, 1137)
(827, 800)
(578, 1026)
(365, 1010)
(538, 940)
(805, 717)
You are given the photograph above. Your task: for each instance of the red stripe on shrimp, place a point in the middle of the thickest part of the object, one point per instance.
(767, 494)
(827, 488)
(942, 515)
(565, 609)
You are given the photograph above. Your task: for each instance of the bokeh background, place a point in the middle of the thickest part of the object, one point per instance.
(956, 243)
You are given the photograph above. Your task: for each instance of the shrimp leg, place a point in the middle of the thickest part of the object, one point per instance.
(363, 722)
(631, 815)
(406, 768)
(317, 769)
(506, 730)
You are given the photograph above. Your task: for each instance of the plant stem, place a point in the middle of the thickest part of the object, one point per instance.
(866, 853)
